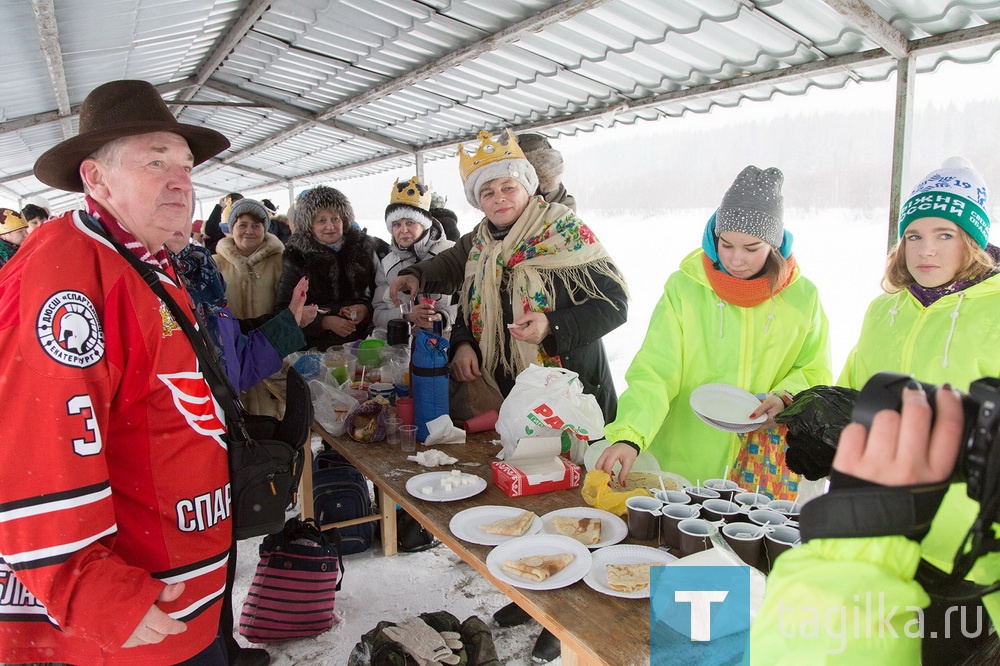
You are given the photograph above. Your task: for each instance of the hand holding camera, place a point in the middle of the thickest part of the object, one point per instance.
(907, 447)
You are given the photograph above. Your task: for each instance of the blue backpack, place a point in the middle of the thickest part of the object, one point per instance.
(340, 492)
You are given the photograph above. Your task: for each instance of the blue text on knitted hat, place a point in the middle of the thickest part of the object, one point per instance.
(956, 192)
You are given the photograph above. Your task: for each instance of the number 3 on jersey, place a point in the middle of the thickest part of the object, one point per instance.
(90, 443)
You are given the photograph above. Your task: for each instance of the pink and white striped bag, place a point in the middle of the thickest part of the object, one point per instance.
(294, 587)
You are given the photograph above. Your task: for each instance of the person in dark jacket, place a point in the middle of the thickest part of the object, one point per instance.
(339, 259)
(548, 164)
(446, 216)
(213, 225)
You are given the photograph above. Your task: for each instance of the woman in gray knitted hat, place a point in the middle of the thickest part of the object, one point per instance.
(339, 259)
(737, 312)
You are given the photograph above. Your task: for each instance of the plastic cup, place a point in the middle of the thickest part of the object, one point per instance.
(404, 410)
(786, 508)
(726, 488)
(699, 494)
(670, 518)
(719, 509)
(482, 422)
(392, 425)
(779, 540)
(642, 517)
(357, 394)
(747, 541)
(772, 518)
(407, 438)
(752, 500)
(696, 535)
(672, 496)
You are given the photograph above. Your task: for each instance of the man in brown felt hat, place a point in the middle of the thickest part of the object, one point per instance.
(113, 551)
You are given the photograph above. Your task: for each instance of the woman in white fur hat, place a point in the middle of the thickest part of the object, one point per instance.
(416, 236)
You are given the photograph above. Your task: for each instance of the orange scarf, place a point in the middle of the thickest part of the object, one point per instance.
(743, 293)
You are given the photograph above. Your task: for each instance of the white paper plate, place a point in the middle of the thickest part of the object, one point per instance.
(613, 528)
(597, 577)
(465, 524)
(725, 404)
(540, 544)
(728, 427)
(644, 463)
(439, 494)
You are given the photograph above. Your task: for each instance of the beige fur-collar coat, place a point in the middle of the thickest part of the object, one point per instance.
(251, 282)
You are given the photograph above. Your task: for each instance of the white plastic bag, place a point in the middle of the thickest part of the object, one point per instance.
(331, 406)
(553, 398)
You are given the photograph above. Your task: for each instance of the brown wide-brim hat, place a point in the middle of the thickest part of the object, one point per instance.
(112, 111)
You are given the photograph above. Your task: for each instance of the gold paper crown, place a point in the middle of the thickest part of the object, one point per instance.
(11, 220)
(489, 151)
(411, 193)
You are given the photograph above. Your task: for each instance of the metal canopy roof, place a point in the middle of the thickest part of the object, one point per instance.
(315, 90)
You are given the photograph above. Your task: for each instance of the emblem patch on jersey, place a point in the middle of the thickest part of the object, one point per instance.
(194, 401)
(69, 330)
(169, 323)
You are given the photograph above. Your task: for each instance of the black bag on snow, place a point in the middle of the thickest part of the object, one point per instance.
(340, 492)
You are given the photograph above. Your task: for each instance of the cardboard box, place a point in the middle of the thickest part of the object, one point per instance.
(535, 467)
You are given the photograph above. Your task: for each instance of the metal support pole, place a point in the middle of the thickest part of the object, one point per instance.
(418, 162)
(906, 71)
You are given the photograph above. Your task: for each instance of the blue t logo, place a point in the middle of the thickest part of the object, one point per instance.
(699, 615)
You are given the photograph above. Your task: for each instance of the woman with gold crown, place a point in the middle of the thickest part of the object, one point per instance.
(417, 235)
(535, 286)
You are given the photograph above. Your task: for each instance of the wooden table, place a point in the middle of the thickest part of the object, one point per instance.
(594, 628)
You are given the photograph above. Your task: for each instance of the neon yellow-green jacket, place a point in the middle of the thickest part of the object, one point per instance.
(901, 335)
(898, 335)
(696, 338)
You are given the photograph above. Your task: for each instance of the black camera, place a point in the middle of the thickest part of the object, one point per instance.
(978, 461)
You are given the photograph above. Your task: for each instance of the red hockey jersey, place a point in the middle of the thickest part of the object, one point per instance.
(113, 470)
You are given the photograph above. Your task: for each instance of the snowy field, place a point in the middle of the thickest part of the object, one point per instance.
(841, 251)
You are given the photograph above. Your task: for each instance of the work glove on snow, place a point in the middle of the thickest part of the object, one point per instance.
(427, 646)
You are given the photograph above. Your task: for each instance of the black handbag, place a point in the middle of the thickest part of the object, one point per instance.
(265, 454)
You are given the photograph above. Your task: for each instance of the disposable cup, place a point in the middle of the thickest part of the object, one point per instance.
(482, 422)
(747, 541)
(670, 518)
(404, 410)
(768, 517)
(786, 508)
(726, 488)
(392, 425)
(642, 517)
(719, 509)
(753, 500)
(696, 535)
(699, 494)
(672, 496)
(779, 540)
(407, 438)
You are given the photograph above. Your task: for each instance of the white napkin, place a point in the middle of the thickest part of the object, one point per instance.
(432, 458)
(442, 431)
